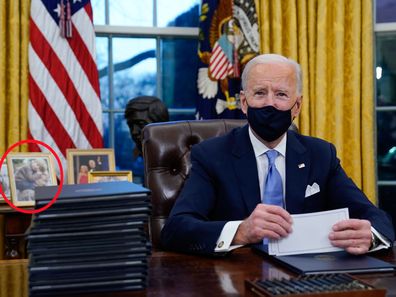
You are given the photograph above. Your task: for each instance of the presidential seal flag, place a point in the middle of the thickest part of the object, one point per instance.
(228, 39)
(64, 102)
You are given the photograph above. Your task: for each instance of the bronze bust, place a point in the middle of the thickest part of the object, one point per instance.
(141, 111)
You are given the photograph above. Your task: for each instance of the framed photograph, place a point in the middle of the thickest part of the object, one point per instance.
(81, 162)
(4, 181)
(26, 171)
(109, 176)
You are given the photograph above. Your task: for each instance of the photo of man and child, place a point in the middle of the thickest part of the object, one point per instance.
(27, 173)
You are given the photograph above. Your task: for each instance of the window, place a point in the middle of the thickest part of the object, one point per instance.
(144, 48)
(385, 72)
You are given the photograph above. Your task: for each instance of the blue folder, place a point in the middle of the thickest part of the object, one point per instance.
(323, 263)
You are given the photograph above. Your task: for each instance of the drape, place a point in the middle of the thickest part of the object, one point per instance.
(333, 42)
(14, 278)
(14, 40)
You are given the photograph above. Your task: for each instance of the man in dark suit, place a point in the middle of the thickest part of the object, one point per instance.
(223, 204)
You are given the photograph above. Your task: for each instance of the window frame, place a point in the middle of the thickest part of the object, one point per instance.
(382, 28)
(154, 32)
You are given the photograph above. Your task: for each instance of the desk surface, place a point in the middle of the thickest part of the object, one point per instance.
(172, 274)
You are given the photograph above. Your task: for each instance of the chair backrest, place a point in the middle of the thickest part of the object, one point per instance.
(166, 153)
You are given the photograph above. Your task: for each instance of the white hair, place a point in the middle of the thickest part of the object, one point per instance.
(271, 58)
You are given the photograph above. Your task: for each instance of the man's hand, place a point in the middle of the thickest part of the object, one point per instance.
(265, 221)
(353, 235)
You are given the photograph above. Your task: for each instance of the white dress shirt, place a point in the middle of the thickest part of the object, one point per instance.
(227, 234)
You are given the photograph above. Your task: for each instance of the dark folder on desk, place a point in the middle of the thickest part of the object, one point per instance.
(90, 191)
(335, 262)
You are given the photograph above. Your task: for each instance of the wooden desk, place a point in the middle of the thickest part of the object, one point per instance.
(172, 274)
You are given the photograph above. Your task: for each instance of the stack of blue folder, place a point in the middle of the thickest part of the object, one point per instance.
(92, 239)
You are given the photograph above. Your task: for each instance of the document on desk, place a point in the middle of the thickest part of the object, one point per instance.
(310, 233)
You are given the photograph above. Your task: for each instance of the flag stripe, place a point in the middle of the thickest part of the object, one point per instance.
(223, 73)
(43, 135)
(83, 25)
(220, 61)
(221, 67)
(63, 81)
(33, 147)
(83, 54)
(52, 124)
(88, 9)
(218, 54)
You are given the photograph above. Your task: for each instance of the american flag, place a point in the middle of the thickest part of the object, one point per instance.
(64, 105)
(220, 65)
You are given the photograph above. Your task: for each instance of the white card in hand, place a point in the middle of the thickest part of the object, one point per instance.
(310, 233)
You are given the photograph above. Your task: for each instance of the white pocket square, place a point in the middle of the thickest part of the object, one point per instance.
(312, 190)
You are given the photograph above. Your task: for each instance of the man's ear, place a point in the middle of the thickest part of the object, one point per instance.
(243, 99)
(297, 108)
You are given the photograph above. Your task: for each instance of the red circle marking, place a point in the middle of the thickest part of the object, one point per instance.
(33, 211)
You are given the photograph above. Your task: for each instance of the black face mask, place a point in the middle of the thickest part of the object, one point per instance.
(268, 122)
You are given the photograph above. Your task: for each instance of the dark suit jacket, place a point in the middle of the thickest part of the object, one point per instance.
(223, 186)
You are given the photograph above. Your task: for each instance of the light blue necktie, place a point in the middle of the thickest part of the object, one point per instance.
(273, 189)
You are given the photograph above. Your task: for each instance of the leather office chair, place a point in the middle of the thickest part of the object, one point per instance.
(166, 153)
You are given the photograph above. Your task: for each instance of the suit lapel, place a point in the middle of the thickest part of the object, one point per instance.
(297, 170)
(245, 168)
